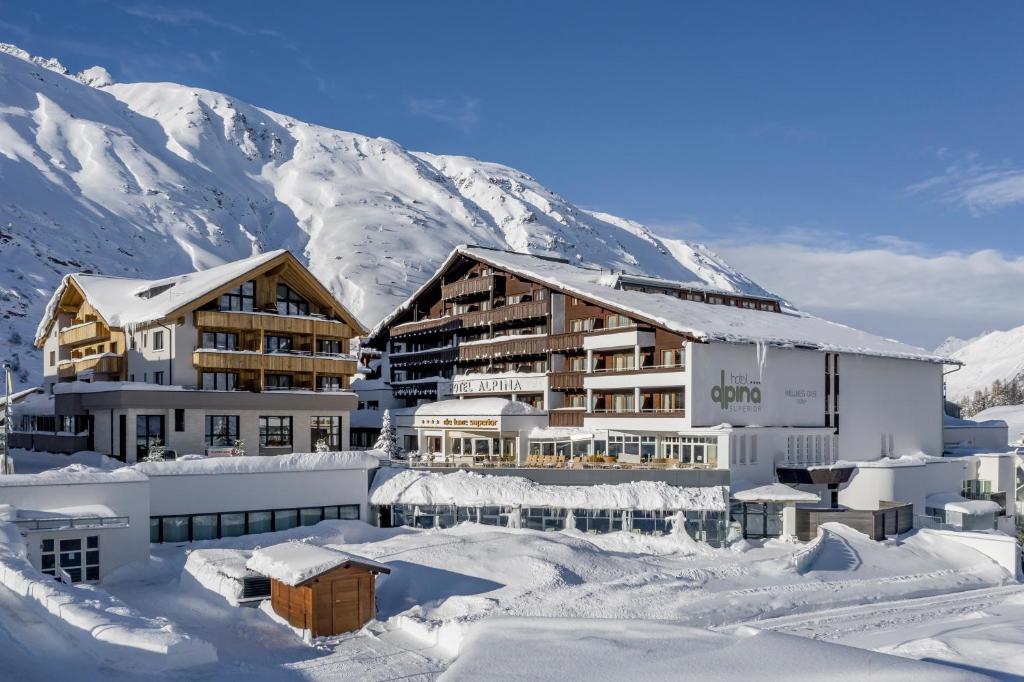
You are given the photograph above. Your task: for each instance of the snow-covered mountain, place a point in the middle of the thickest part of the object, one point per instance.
(994, 355)
(154, 179)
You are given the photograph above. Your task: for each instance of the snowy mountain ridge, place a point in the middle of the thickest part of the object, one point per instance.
(997, 355)
(148, 180)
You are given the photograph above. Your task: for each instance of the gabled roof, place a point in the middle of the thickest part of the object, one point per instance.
(699, 321)
(126, 302)
(294, 563)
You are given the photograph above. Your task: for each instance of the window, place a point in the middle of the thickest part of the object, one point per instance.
(179, 420)
(699, 450)
(328, 383)
(221, 430)
(582, 325)
(53, 358)
(158, 377)
(220, 340)
(204, 527)
(277, 382)
(242, 298)
(311, 517)
(328, 346)
(113, 347)
(48, 557)
(277, 344)
(285, 519)
(326, 428)
(614, 321)
(623, 444)
(158, 341)
(149, 429)
(578, 363)
(648, 445)
(289, 302)
(576, 400)
(219, 381)
(675, 357)
(753, 449)
(275, 431)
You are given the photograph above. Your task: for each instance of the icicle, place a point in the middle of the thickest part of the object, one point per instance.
(761, 351)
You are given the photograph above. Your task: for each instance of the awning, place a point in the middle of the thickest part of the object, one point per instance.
(961, 505)
(773, 492)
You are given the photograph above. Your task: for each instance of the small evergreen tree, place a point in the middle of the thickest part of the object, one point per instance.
(156, 451)
(238, 449)
(387, 441)
(321, 445)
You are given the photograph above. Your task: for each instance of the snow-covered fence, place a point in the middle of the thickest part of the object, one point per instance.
(1002, 549)
(100, 623)
(801, 559)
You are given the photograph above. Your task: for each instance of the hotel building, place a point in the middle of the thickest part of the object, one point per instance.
(255, 351)
(592, 376)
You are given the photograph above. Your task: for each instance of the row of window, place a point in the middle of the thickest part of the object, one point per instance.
(222, 430)
(243, 299)
(193, 527)
(228, 381)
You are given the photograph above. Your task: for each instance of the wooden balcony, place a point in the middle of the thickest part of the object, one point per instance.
(438, 324)
(562, 381)
(566, 417)
(214, 360)
(101, 364)
(506, 313)
(434, 356)
(505, 347)
(266, 322)
(635, 414)
(468, 287)
(88, 332)
(569, 341)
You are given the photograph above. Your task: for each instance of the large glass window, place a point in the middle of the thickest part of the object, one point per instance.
(277, 382)
(221, 429)
(326, 428)
(149, 429)
(219, 381)
(277, 344)
(242, 298)
(328, 346)
(174, 528)
(285, 519)
(220, 340)
(204, 527)
(310, 517)
(232, 525)
(260, 522)
(289, 302)
(325, 382)
(275, 431)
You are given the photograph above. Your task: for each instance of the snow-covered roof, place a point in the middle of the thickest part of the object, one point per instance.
(951, 422)
(294, 563)
(956, 503)
(18, 396)
(72, 475)
(476, 406)
(702, 321)
(464, 488)
(125, 301)
(773, 492)
(304, 461)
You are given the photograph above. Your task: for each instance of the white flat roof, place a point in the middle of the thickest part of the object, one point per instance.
(294, 562)
(254, 464)
(75, 474)
(956, 503)
(773, 492)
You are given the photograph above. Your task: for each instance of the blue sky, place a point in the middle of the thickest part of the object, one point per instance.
(860, 147)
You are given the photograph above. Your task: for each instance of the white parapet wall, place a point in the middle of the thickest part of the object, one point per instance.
(1002, 549)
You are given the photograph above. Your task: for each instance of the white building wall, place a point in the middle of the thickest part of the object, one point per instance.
(180, 494)
(118, 546)
(907, 483)
(174, 359)
(889, 397)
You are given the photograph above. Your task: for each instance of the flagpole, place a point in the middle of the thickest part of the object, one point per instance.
(7, 416)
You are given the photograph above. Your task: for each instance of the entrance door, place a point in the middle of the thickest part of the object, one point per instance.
(345, 593)
(122, 438)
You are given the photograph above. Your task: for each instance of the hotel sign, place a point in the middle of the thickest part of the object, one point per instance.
(503, 383)
(457, 422)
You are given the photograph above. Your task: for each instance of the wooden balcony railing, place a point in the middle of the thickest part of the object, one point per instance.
(565, 342)
(438, 324)
(102, 364)
(639, 414)
(561, 381)
(267, 322)
(273, 362)
(506, 347)
(89, 332)
(506, 313)
(566, 417)
(467, 287)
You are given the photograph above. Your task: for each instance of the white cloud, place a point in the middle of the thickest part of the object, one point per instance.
(462, 114)
(982, 188)
(182, 16)
(895, 288)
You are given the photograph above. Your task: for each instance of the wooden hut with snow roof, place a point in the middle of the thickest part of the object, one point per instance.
(321, 590)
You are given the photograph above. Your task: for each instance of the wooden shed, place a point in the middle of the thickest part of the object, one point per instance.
(322, 590)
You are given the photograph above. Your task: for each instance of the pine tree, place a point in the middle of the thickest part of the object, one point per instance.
(387, 441)
(322, 446)
(156, 450)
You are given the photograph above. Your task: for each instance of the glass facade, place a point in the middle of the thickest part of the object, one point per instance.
(196, 527)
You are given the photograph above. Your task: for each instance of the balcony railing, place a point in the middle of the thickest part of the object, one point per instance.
(435, 325)
(503, 347)
(645, 412)
(272, 322)
(566, 417)
(506, 313)
(561, 381)
(213, 359)
(86, 332)
(643, 368)
(568, 341)
(467, 287)
(99, 364)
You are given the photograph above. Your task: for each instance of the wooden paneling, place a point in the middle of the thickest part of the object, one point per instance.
(560, 381)
(423, 325)
(569, 341)
(340, 600)
(88, 332)
(467, 287)
(224, 320)
(106, 364)
(506, 313)
(272, 362)
(503, 349)
(565, 417)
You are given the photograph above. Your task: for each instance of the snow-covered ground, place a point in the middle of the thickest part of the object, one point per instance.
(30, 462)
(444, 582)
(1013, 415)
